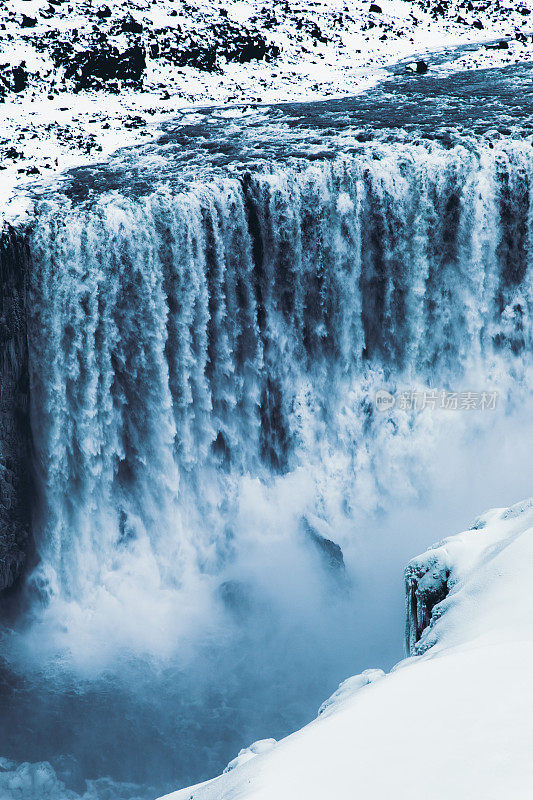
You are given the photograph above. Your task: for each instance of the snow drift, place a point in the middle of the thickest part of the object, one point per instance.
(457, 719)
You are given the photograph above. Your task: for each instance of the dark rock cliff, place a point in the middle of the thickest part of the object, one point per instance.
(15, 477)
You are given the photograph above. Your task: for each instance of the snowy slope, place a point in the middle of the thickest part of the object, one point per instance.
(455, 722)
(79, 78)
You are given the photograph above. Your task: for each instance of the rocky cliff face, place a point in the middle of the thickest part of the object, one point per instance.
(14, 411)
(434, 579)
(426, 584)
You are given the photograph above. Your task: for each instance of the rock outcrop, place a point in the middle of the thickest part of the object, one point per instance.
(426, 585)
(330, 552)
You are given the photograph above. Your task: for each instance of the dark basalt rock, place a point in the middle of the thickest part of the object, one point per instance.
(223, 40)
(28, 22)
(15, 470)
(317, 34)
(13, 79)
(104, 12)
(330, 551)
(503, 45)
(202, 57)
(375, 9)
(13, 154)
(130, 25)
(421, 67)
(250, 47)
(95, 67)
(20, 77)
(47, 13)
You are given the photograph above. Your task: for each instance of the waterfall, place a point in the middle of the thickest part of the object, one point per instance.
(183, 340)
(192, 456)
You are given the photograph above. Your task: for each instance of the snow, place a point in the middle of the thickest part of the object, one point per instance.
(327, 48)
(247, 753)
(454, 722)
(347, 688)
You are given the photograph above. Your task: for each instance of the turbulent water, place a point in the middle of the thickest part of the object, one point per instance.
(204, 357)
(179, 343)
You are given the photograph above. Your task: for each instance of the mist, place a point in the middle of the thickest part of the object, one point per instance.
(165, 703)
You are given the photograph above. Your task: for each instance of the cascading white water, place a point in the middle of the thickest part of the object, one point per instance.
(181, 343)
(203, 368)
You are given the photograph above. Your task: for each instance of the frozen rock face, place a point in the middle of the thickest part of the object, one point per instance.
(433, 579)
(426, 584)
(15, 467)
(330, 552)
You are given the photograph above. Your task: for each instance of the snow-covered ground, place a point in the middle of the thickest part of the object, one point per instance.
(455, 721)
(80, 78)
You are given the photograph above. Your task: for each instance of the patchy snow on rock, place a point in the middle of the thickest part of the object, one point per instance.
(80, 78)
(456, 721)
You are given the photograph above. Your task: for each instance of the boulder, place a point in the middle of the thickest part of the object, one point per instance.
(130, 25)
(101, 64)
(330, 551)
(20, 78)
(104, 12)
(28, 22)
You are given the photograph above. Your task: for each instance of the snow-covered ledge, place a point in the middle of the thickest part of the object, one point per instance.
(453, 721)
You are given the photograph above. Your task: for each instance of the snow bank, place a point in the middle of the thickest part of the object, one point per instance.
(456, 721)
(348, 688)
(255, 749)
